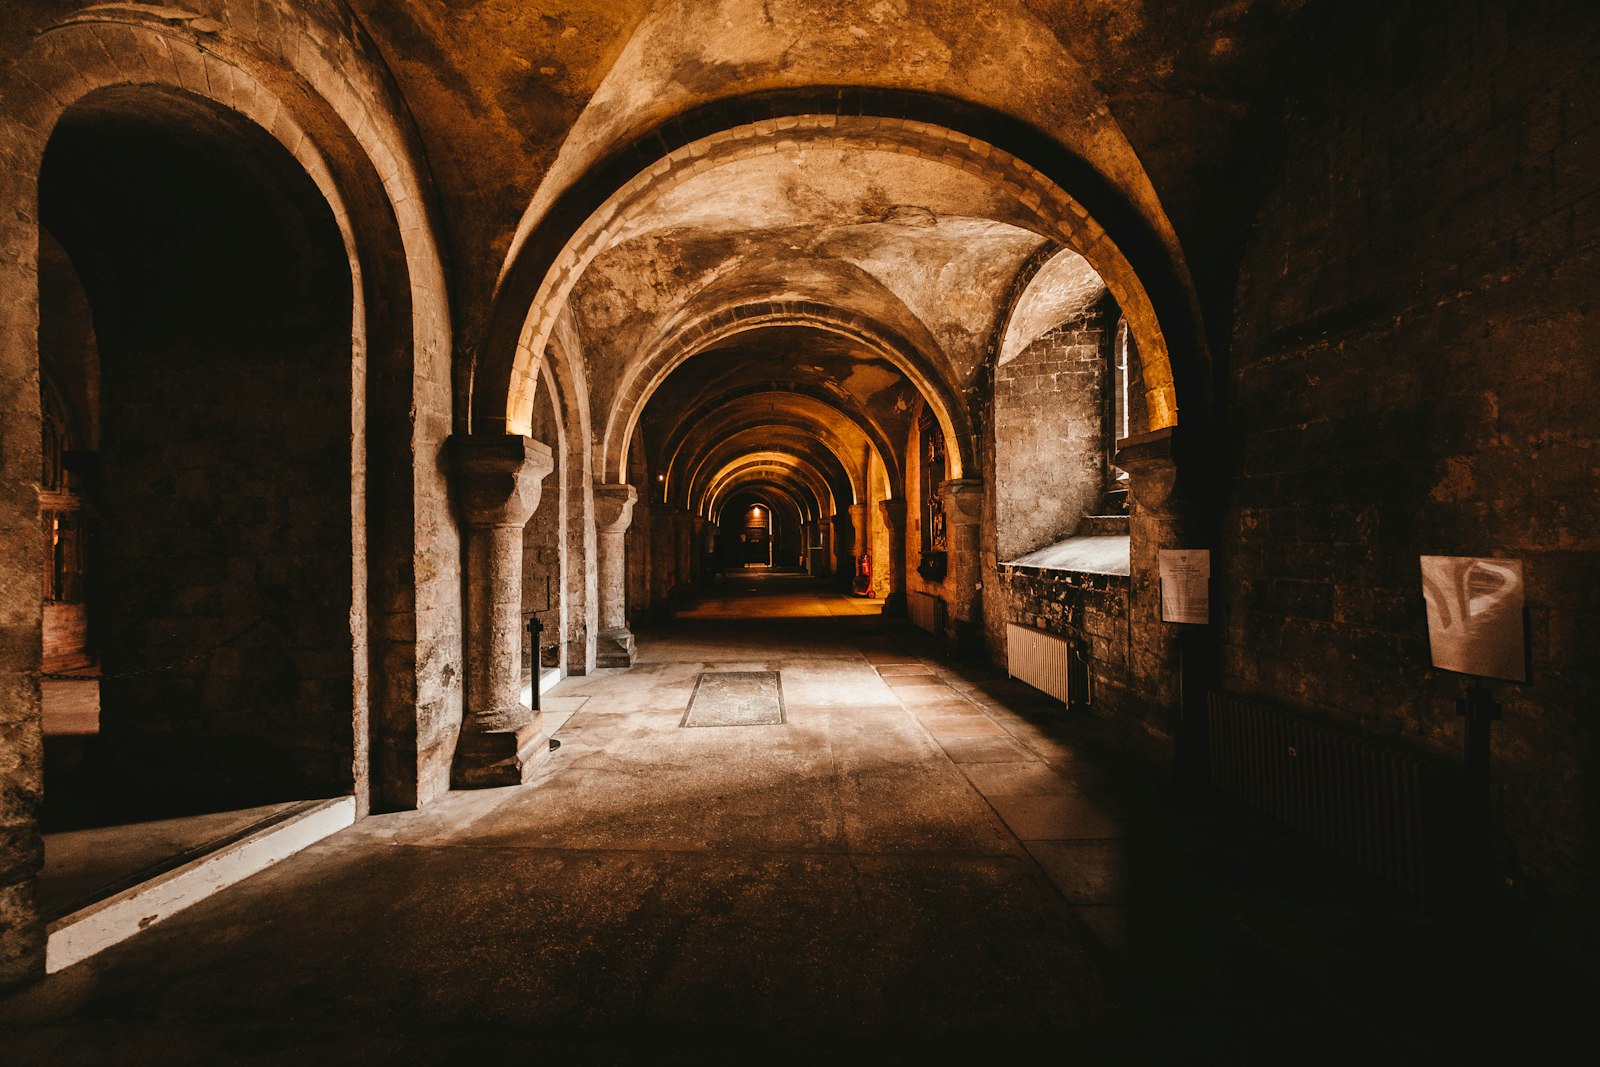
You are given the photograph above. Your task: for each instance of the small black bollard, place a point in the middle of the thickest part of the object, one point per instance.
(535, 628)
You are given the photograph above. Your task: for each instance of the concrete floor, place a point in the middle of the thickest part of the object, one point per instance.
(921, 863)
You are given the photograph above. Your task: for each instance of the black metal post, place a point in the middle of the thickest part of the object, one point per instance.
(1197, 658)
(1479, 709)
(535, 628)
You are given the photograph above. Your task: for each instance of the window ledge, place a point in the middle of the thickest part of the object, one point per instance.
(1095, 554)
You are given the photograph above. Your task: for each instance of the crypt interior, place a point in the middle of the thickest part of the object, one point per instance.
(631, 528)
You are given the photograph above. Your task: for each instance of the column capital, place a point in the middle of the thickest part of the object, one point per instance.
(894, 512)
(1152, 471)
(613, 506)
(963, 500)
(498, 477)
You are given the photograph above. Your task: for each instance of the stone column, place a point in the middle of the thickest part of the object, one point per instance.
(697, 553)
(498, 479)
(860, 544)
(858, 529)
(683, 531)
(663, 562)
(709, 548)
(963, 510)
(825, 555)
(844, 543)
(894, 517)
(1175, 664)
(613, 510)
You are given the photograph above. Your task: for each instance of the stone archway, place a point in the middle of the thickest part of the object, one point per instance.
(112, 63)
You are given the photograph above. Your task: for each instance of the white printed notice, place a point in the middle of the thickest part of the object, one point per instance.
(1185, 585)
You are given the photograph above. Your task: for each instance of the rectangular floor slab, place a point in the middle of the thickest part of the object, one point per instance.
(736, 698)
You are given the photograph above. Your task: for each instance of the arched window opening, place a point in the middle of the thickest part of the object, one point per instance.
(1127, 413)
(1054, 407)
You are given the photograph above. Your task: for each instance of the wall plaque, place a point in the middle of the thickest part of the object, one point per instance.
(1475, 615)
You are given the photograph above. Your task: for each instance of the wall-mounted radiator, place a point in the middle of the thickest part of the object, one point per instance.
(1389, 811)
(1047, 662)
(926, 611)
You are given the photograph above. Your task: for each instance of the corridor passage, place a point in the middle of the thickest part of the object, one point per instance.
(919, 860)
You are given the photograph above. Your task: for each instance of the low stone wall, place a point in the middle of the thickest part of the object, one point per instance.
(1090, 610)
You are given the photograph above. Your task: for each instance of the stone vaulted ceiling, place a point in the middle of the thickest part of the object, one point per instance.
(515, 101)
(912, 259)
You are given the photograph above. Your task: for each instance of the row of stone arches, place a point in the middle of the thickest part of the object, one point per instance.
(250, 272)
(468, 480)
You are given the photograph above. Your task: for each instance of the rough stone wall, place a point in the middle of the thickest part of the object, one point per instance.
(22, 935)
(1049, 430)
(1414, 372)
(67, 348)
(1089, 609)
(1156, 519)
(638, 549)
(543, 544)
(583, 563)
(224, 541)
(219, 513)
(663, 557)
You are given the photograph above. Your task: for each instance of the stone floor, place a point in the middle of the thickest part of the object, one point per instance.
(921, 863)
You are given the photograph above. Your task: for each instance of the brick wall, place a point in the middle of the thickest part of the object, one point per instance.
(1413, 372)
(1049, 427)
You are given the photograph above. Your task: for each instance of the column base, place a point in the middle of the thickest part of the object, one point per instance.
(614, 648)
(489, 756)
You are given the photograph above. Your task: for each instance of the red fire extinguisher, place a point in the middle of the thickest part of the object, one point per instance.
(863, 586)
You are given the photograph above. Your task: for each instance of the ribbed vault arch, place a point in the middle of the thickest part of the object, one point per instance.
(1153, 289)
(732, 409)
(646, 375)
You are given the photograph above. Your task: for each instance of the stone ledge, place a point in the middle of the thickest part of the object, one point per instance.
(1108, 554)
(97, 927)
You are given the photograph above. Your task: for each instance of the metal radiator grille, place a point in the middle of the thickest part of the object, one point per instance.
(926, 611)
(1038, 658)
(1389, 811)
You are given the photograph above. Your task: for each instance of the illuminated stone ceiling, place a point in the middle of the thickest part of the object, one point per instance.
(859, 275)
